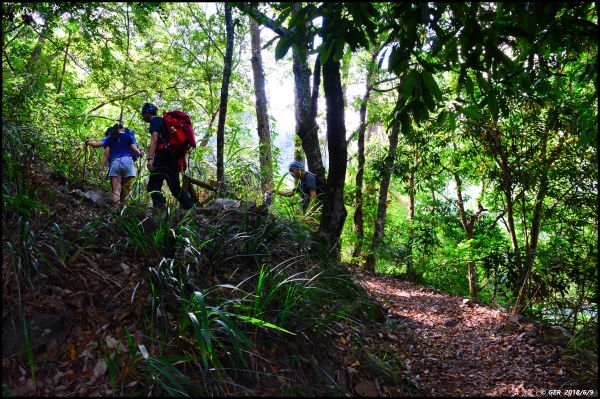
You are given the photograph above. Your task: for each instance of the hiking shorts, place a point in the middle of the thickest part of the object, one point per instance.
(121, 167)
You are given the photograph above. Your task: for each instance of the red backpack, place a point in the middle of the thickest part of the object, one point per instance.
(181, 135)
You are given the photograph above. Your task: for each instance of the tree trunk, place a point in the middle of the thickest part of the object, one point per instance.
(370, 260)
(32, 72)
(64, 66)
(206, 138)
(535, 227)
(33, 63)
(410, 270)
(224, 94)
(468, 227)
(358, 212)
(306, 123)
(316, 84)
(298, 153)
(492, 136)
(264, 134)
(334, 210)
(345, 69)
(305, 112)
(371, 131)
(507, 188)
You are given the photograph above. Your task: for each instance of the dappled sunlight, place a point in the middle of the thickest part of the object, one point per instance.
(456, 347)
(197, 198)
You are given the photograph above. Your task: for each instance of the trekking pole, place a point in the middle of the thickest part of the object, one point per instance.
(139, 171)
(85, 153)
(140, 163)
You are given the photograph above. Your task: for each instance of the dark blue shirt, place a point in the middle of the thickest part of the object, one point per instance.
(307, 182)
(119, 147)
(128, 132)
(157, 124)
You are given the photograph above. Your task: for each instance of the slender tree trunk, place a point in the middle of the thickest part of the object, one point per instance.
(507, 188)
(33, 63)
(298, 153)
(206, 138)
(305, 112)
(370, 260)
(536, 223)
(306, 108)
(492, 136)
(345, 69)
(411, 217)
(468, 227)
(306, 122)
(334, 210)
(264, 134)
(358, 212)
(316, 85)
(224, 94)
(64, 66)
(32, 72)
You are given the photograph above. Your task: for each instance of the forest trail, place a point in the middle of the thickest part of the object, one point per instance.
(453, 347)
(446, 346)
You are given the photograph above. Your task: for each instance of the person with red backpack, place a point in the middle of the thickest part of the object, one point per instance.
(166, 156)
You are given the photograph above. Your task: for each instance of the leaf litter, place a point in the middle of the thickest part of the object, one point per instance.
(432, 344)
(454, 347)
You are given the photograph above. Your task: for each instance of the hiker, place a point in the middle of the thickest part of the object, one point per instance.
(162, 163)
(307, 187)
(125, 189)
(119, 147)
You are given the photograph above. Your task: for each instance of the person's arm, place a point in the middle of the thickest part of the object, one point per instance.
(285, 193)
(104, 161)
(152, 150)
(132, 135)
(135, 149)
(313, 198)
(94, 144)
(281, 192)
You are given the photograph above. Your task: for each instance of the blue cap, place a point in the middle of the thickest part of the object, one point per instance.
(147, 107)
(297, 165)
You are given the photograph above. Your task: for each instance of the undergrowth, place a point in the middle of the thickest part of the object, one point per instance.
(217, 295)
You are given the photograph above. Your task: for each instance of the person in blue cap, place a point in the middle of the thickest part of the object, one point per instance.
(305, 184)
(161, 162)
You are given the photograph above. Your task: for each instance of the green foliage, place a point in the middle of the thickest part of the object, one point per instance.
(500, 99)
(21, 204)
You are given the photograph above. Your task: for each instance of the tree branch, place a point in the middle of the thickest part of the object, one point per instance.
(8, 63)
(206, 137)
(13, 28)
(207, 33)
(61, 49)
(383, 81)
(385, 90)
(264, 20)
(112, 100)
(13, 38)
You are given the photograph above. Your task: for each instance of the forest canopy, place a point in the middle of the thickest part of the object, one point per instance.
(456, 142)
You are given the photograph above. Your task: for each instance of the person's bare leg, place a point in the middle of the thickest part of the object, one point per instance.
(126, 189)
(115, 182)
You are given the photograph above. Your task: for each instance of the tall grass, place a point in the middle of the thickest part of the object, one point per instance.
(196, 337)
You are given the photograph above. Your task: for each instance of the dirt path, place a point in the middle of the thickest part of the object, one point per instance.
(465, 349)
